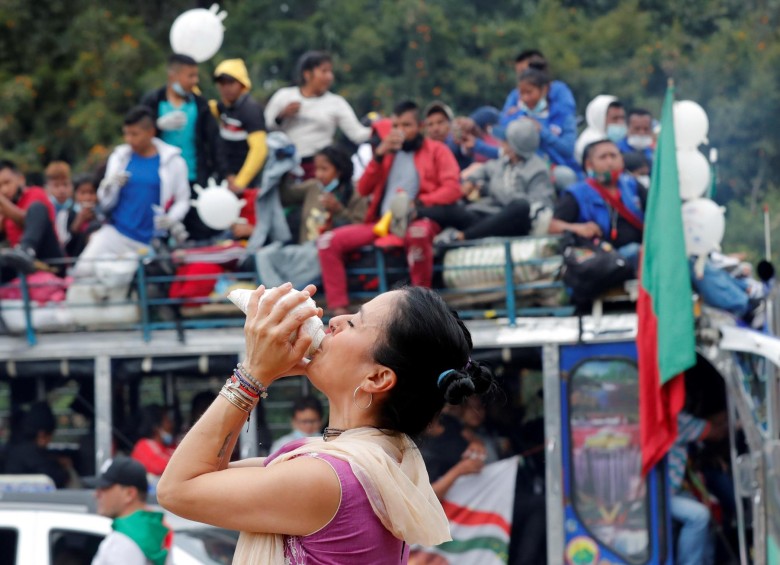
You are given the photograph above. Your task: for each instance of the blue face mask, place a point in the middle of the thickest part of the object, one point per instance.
(616, 132)
(178, 89)
(331, 186)
(540, 108)
(166, 438)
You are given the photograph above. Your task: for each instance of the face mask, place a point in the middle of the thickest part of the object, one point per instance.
(166, 438)
(616, 132)
(644, 180)
(540, 107)
(331, 186)
(640, 142)
(65, 205)
(178, 89)
(607, 177)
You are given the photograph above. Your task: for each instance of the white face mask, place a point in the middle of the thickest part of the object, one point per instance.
(640, 142)
(644, 180)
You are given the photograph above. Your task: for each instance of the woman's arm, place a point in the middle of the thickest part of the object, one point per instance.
(294, 497)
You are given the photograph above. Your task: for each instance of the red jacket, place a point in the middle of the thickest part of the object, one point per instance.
(438, 171)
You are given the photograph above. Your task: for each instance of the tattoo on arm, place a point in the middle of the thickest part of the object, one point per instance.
(221, 454)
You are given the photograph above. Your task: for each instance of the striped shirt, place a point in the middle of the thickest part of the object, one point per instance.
(689, 429)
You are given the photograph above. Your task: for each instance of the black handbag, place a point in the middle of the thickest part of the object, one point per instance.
(592, 267)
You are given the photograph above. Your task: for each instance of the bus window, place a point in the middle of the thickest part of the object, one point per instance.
(609, 493)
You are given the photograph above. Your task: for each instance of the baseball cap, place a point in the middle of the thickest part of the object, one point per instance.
(126, 472)
(439, 106)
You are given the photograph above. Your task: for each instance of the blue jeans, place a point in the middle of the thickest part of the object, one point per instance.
(695, 545)
(630, 252)
(720, 290)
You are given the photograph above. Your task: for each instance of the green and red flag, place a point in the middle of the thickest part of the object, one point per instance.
(665, 342)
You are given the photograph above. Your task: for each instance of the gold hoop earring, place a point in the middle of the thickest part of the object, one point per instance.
(354, 399)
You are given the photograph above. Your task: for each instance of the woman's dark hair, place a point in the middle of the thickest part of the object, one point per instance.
(150, 418)
(310, 61)
(341, 160)
(538, 78)
(428, 347)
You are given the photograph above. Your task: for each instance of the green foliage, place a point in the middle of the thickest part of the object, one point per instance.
(70, 68)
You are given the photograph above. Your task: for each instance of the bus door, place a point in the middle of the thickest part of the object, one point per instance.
(600, 509)
(749, 363)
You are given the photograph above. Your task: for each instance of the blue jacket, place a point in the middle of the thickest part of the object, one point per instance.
(559, 128)
(626, 148)
(593, 208)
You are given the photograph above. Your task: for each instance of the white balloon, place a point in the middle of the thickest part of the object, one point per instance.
(690, 124)
(218, 206)
(704, 224)
(198, 33)
(694, 173)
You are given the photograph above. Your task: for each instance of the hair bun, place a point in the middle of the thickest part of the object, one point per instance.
(457, 386)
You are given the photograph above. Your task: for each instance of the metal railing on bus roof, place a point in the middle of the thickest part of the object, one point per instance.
(498, 294)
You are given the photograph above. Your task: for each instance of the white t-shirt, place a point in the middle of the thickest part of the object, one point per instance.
(315, 124)
(118, 549)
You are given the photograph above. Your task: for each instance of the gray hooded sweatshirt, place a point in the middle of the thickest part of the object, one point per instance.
(503, 181)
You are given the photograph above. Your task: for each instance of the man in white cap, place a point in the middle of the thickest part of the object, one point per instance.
(139, 536)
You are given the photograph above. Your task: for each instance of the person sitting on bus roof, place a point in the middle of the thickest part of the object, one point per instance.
(610, 205)
(557, 124)
(408, 175)
(514, 191)
(27, 224)
(145, 190)
(639, 136)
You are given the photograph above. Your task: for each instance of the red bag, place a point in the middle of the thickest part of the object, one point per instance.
(200, 287)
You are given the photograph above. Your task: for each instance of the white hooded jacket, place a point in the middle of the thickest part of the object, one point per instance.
(596, 119)
(174, 183)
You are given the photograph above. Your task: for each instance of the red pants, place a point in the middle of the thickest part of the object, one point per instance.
(333, 247)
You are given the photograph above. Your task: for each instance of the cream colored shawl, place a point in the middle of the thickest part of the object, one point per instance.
(391, 471)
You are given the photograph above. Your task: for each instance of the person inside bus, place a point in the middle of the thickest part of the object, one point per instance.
(695, 545)
(306, 421)
(156, 444)
(30, 455)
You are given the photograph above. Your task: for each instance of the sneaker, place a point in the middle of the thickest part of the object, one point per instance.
(401, 210)
(447, 236)
(20, 258)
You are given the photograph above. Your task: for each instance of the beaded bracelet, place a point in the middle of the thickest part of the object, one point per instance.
(261, 388)
(247, 387)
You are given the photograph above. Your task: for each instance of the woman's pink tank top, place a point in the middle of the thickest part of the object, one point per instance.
(355, 536)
